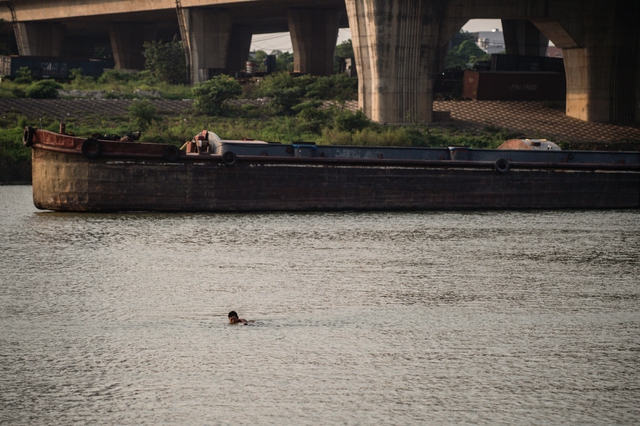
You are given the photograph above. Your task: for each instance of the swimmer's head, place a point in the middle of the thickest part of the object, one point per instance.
(233, 317)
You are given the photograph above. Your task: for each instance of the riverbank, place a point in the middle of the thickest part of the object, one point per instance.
(533, 119)
(483, 124)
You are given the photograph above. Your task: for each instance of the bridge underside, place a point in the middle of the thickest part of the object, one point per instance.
(220, 36)
(399, 44)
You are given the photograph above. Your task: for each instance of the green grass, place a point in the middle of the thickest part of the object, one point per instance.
(246, 123)
(305, 121)
(112, 84)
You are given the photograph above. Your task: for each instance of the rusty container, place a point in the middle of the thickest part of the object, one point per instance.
(514, 86)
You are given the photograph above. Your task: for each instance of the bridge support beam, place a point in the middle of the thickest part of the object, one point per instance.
(314, 33)
(127, 44)
(239, 47)
(523, 38)
(601, 60)
(398, 47)
(209, 33)
(39, 39)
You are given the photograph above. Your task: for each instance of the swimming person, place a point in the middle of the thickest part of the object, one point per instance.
(233, 319)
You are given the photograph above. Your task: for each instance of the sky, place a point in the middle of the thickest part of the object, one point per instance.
(282, 41)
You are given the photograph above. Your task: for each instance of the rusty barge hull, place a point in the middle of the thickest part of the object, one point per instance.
(129, 176)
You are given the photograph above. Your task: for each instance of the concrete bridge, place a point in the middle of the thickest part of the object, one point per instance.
(399, 44)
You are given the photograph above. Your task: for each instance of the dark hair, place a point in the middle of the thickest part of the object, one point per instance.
(233, 314)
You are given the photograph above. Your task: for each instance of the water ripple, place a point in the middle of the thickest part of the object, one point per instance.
(360, 318)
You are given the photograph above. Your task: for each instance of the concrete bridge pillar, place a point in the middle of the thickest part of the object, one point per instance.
(239, 47)
(127, 44)
(314, 33)
(209, 33)
(601, 57)
(39, 39)
(398, 46)
(523, 38)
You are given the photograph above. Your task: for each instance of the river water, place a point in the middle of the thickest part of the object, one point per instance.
(360, 318)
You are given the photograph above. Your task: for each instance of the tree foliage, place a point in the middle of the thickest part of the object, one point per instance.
(78, 79)
(166, 61)
(23, 76)
(339, 87)
(287, 91)
(43, 89)
(344, 49)
(211, 96)
(258, 59)
(142, 114)
(348, 121)
(460, 37)
(466, 53)
(284, 90)
(284, 60)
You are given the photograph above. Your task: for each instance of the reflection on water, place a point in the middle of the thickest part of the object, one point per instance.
(361, 318)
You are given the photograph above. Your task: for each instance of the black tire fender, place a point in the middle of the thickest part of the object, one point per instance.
(229, 158)
(92, 148)
(501, 165)
(171, 153)
(27, 136)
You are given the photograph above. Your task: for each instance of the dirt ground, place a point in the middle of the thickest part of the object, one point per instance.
(535, 120)
(527, 119)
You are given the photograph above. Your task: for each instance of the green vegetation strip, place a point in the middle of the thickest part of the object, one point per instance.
(294, 112)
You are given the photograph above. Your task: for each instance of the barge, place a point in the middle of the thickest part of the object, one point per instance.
(93, 175)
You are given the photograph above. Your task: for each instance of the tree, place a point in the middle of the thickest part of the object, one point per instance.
(345, 49)
(258, 60)
(466, 53)
(284, 90)
(460, 37)
(23, 76)
(142, 114)
(211, 96)
(284, 61)
(166, 61)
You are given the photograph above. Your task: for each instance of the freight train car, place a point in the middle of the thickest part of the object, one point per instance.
(52, 67)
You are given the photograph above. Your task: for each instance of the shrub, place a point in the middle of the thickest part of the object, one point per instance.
(166, 61)
(43, 89)
(17, 92)
(212, 95)
(78, 80)
(284, 61)
(142, 114)
(394, 136)
(335, 137)
(117, 76)
(338, 87)
(285, 92)
(311, 117)
(23, 76)
(6, 92)
(348, 121)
